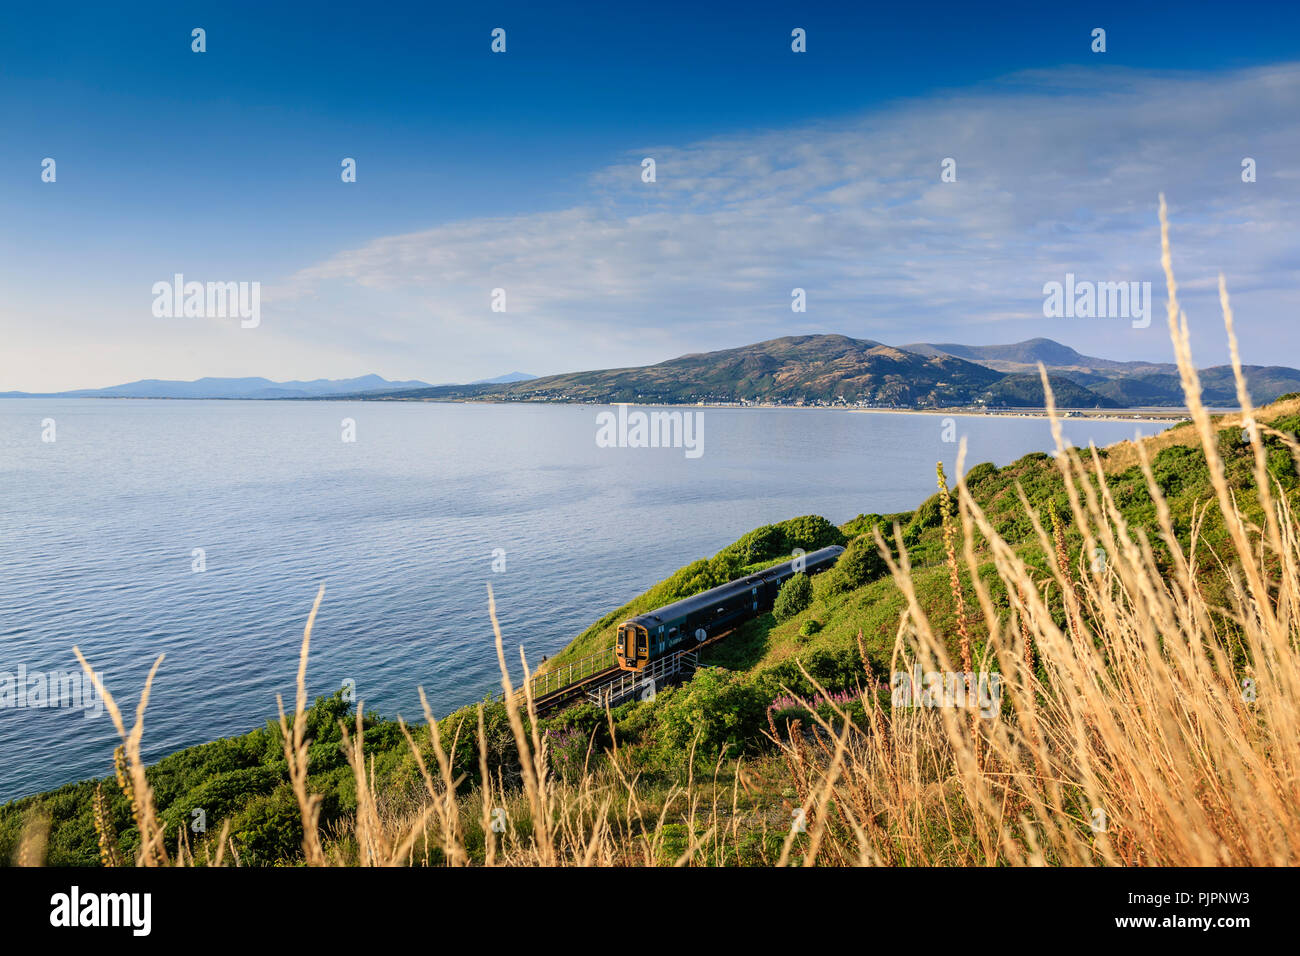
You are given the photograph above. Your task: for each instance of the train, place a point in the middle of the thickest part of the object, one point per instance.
(696, 619)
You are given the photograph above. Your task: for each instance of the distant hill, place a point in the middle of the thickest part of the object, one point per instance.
(1025, 356)
(794, 370)
(1118, 384)
(800, 369)
(1026, 391)
(836, 369)
(245, 388)
(1219, 387)
(501, 379)
(258, 388)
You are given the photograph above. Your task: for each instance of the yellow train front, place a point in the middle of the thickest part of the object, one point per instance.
(709, 614)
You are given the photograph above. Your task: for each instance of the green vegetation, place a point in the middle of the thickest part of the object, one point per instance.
(795, 596)
(1026, 391)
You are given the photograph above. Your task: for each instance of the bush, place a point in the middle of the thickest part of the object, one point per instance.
(795, 596)
(981, 472)
(1174, 465)
(861, 562)
(268, 828)
(761, 544)
(771, 541)
(926, 516)
(718, 709)
(863, 524)
(811, 532)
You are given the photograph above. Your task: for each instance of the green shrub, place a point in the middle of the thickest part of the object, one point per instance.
(795, 595)
(810, 532)
(268, 828)
(761, 544)
(1173, 465)
(861, 562)
(717, 708)
(980, 472)
(926, 516)
(863, 524)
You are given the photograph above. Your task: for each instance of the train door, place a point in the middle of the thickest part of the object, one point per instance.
(625, 646)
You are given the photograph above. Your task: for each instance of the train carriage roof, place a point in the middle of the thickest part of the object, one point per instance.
(706, 599)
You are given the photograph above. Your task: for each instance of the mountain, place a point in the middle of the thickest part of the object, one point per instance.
(1025, 390)
(1025, 356)
(798, 369)
(502, 379)
(1118, 384)
(836, 369)
(1218, 386)
(232, 388)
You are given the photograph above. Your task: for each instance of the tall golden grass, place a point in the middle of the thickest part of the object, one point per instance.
(1142, 732)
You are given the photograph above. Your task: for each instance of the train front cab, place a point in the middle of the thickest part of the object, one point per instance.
(632, 647)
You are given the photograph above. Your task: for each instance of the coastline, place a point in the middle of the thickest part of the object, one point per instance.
(1149, 415)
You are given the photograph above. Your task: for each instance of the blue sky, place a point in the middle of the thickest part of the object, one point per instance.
(522, 170)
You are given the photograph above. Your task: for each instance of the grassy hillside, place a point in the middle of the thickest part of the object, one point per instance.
(1026, 391)
(1219, 388)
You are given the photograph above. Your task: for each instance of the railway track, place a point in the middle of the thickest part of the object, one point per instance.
(607, 684)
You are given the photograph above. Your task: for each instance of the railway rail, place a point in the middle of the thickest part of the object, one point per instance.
(598, 679)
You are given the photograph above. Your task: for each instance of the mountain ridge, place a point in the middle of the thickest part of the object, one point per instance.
(813, 369)
(250, 387)
(834, 369)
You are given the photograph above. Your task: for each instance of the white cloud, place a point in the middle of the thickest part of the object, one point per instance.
(1056, 172)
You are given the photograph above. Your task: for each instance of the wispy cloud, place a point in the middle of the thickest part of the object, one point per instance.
(1056, 172)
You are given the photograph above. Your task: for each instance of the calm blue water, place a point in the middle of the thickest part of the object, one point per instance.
(98, 527)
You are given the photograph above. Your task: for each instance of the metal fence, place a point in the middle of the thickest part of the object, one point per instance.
(559, 676)
(645, 681)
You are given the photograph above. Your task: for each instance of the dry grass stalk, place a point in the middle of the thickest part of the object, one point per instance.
(295, 749)
(152, 851)
(109, 853)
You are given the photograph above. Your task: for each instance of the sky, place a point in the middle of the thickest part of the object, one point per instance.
(522, 171)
